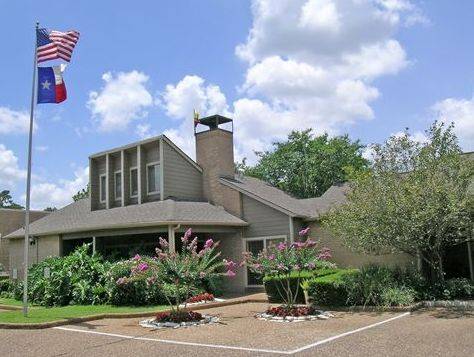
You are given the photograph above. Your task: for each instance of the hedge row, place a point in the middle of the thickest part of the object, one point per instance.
(323, 282)
(372, 285)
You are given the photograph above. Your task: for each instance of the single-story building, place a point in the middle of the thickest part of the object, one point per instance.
(10, 221)
(151, 188)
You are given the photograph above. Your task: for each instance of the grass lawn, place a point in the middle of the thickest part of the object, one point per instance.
(39, 314)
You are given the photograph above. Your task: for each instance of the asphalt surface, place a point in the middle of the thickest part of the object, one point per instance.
(438, 332)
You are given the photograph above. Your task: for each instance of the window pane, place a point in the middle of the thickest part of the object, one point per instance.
(118, 185)
(153, 178)
(274, 242)
(254, 247)
(133, 182)
(102, 188)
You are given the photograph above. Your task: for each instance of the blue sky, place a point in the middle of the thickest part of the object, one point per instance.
(369, 68)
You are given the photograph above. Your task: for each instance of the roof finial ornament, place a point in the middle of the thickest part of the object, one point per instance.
(196, 117)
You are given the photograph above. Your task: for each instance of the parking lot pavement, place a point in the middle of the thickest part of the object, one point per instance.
(423, 333)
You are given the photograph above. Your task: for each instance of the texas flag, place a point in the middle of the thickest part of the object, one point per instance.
(51, 87)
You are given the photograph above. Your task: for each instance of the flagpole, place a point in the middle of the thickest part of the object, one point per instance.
(28, 184)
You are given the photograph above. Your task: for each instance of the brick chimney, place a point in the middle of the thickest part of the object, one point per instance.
(215, 154)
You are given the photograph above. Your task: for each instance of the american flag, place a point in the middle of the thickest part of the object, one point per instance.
(55, 44)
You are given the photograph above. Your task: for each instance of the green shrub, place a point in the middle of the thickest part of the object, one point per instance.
(78, 278)
(271, 283)
(366, 287)
(7, 288)
(398, 296)
(457, 288)
(330, 290)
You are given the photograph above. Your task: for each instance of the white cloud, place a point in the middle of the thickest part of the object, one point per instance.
(191, 93)
(14, 122)
(179, 101)
(320, 15)
(144, 131)
(311, 64)
(11, 173)
(461, 113)
(48, 194)
(123, 98)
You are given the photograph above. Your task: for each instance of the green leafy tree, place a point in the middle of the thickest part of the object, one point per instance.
(306, 165)
(6, 201)
(84, 193)
(50, 209)
(415, 200)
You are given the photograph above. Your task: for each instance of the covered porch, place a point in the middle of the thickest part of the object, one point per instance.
(125, 243)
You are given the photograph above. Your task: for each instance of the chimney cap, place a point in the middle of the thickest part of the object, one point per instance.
(214, 121)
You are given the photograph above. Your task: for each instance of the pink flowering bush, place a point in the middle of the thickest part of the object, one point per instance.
(287, 261)
(179, 274)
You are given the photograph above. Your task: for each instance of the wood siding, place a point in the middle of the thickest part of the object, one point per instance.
(181, 179)
(263, 220)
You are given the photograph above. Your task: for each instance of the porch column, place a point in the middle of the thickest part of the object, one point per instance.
(122, 176)
(469, 255)
(107, 179)
(139, 173)
(292, 230)
(162, 176)
(171, 240)
(94, 245)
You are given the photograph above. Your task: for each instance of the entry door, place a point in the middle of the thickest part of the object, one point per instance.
(255, 246)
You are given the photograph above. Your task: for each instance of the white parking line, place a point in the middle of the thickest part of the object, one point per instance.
(318, 343)
(248, 349)
(172, 341)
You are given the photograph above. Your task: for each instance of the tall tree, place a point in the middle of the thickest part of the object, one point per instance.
(84, 193)
(6, 201)
(306, 165)
(416, 200)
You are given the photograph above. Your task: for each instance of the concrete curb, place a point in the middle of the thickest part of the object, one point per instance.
(43, 325)
(10, 307)
(453, 304)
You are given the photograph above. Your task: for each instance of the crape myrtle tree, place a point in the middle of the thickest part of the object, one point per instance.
(287, 261)
(306, 165)
(183, 270)
(415, 199)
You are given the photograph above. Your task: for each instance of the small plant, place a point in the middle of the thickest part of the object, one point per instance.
(287, 262)
(177, 317)
(398, 296)
(284, 311)
(179, 274)
(305, 285)
(200, 298)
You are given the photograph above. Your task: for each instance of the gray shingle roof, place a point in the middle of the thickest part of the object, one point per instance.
(77, 217)
(307, 208)
(334, 196)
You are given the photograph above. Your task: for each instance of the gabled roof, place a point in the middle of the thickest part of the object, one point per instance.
(310, 208)
(334, 196)
(77, 217)
(146, 141)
